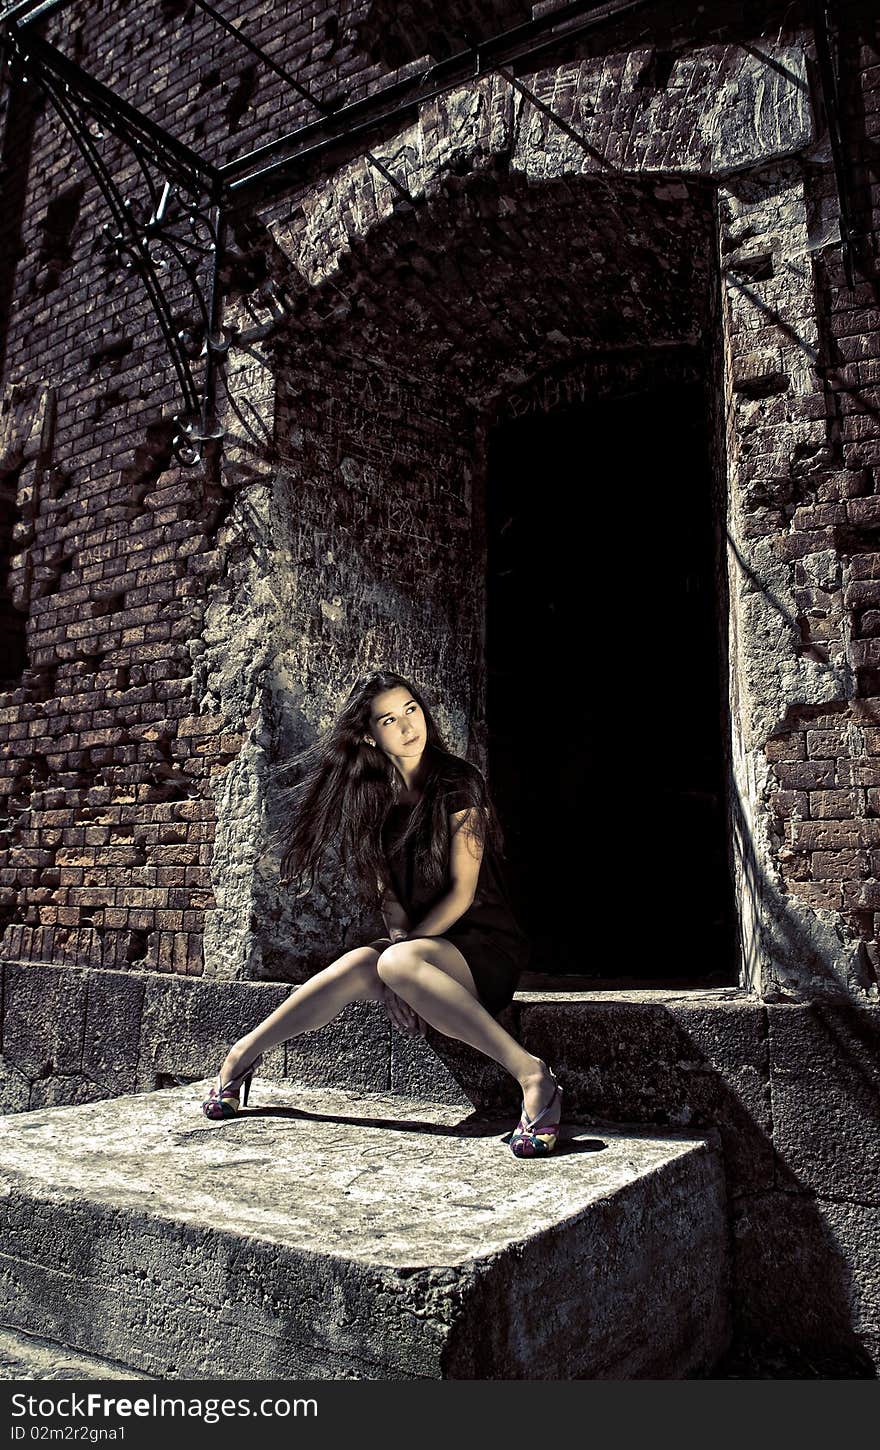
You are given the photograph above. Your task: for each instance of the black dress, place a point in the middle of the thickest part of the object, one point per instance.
(488, 935)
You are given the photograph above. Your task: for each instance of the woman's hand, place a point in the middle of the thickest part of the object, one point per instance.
(401, 1013)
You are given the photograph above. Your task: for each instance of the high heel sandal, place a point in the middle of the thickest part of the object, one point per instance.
(223, 1102)
(528, 1140)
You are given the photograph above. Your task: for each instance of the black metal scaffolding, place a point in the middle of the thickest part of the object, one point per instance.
(183, 219)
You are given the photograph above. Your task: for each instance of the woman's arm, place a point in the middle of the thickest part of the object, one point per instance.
(465, 855)
(395, 918)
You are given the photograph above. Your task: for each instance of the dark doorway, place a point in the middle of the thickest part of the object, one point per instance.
(605, 700)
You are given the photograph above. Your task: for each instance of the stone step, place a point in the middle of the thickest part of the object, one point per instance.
(338, 1235)
(28, 1357)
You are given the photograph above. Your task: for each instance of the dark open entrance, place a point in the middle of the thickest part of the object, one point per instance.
(606, 709)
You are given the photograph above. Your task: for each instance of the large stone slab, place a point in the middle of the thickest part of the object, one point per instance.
(446, 1070)
(855, 1231)
(331, 1235)
(15, 1089)
(114, 1008)
(352, 1052)
(188, 1023)
(43, 1012)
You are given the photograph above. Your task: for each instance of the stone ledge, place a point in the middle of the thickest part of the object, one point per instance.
(75, 1034)
(686, 1057)
(589, 989)
(360, 1237)
(824, 1055)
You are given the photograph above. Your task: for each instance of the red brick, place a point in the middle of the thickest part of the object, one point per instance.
(861, 894)
(806, 774)
(787, 804)
(864, 771)
(822, 895)
(825, 744)
(838, 865)
(835, 835)
(839, 805)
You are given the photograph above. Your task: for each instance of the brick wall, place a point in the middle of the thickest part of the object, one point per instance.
(823, 757)
(141, 727)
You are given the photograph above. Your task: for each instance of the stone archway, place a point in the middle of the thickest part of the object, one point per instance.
(375, 385)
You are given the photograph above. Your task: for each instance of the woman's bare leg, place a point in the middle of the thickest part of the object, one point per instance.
(433, 977)
(351, 978)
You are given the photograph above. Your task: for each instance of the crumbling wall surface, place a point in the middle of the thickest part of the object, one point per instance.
(354, 550)
(802, 448)
(377, 505)
(790, 665)
(791, 481)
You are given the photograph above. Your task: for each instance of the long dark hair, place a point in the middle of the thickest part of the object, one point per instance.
(348, 788)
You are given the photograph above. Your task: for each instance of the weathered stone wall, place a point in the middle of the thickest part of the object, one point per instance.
(479, 282)
(368, 559)
(186, 628)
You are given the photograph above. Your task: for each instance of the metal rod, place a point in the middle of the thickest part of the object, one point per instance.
(286, 75)
(549, 112)
(120, 214)
(215, 319)
(113, 108)
(257, 50)
(507, 47)
(27, 11)
(831, 101)
(403, 96)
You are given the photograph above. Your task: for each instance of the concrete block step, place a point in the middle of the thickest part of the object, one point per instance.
(339, 1235)
(28, 1357)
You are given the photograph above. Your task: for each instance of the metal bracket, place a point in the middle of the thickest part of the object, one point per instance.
(175, 229)
(171, 235)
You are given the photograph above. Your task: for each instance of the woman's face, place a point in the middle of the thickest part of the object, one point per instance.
(397, 724)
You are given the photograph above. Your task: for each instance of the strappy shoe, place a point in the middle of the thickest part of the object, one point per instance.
(222, 1101)
(537, 1137)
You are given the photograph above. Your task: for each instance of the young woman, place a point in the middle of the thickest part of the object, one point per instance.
(418, 827)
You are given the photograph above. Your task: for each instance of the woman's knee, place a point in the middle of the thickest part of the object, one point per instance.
(359, 967)
(397, 963)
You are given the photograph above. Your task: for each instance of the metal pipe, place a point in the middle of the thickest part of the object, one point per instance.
(25, 12)
(387, 103)
(831, 100)
(120, 215)
(112, 106)
(215, 321)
